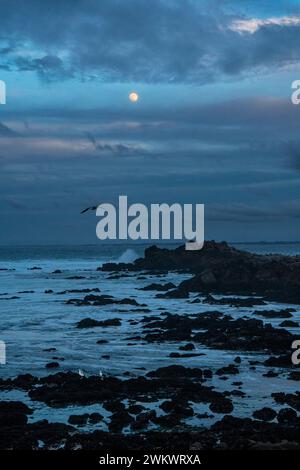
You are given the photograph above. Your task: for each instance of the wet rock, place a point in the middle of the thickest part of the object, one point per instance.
(246, 334)
(75, 278)
(80, 420)
(159, 287)
(135, 409)
(119, 420)
(169, 421)
(284, 313)
(289, 324)
(231, 369)
(177, 371)
(102, 341)
(293, 400)
(142, 420)
(222, 406)
(52, 365)
(234, 393)
(204, 416)
(178, 293)
(265, 414)
(78, 291)
(187, 347)
(13, 413)
(91, 323)
(279, 361)
(48, 291)
(180, 408)
(100, 300)
(271, 374)
(233, 301)
(177, 355)
(295, 375)
(114, 406)
(287, 416)
(95, 418)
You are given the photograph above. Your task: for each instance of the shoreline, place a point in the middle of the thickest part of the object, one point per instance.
(190, 356)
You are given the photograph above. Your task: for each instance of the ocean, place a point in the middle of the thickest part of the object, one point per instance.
(39, 327)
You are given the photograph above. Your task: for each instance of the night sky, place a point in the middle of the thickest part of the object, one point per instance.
(214, 123)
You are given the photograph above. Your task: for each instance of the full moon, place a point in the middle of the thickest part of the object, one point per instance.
(133, 97)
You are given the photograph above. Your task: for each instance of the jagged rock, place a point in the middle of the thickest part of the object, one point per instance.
(221, 268)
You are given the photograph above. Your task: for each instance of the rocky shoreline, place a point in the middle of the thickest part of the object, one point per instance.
(174, 406)
(176, 387)
(220, 268)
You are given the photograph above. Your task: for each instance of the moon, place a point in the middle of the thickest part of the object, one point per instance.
(133, 96)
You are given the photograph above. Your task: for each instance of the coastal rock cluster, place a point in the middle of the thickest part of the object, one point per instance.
(220, 268)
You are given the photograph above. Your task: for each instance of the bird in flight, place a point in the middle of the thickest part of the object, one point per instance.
(92, 208)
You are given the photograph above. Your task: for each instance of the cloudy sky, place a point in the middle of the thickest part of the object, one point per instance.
(214, 123)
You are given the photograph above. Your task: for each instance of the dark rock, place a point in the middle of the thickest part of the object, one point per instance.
(284, 313)
(290, 399)
(177, 371)
(114, 406)
(222, 405)
(159, 287)
(234, 302)
(231, 369)
(187, 347)
(91, 323)
(119, 420)
(80, 420)
(265, 414)
(271, 374)
(95, 418)
(279, 361)
(13, 413)
(289, 324)
(52, 365)
(178, 293)
(295, 375)
(135, 409)
(287, 416)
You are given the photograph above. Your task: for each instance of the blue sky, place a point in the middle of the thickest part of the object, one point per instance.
(214, 123)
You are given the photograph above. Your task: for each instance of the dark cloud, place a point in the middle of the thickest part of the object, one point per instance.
(49, 68)
(138, 40)
(116, 149)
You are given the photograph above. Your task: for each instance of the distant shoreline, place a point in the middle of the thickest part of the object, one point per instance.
(150, 242)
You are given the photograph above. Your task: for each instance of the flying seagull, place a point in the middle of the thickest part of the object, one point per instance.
(92, 208)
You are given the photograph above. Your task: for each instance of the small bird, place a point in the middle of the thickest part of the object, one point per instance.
(92, 208)
(101, 375)
(81, 373)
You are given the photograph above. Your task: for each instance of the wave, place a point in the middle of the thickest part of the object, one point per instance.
(129, 256)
